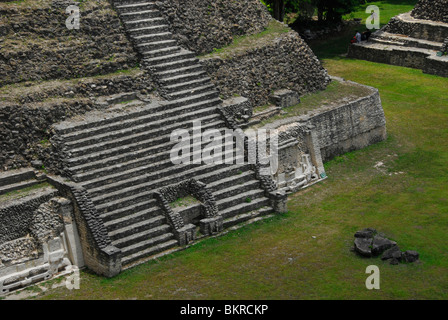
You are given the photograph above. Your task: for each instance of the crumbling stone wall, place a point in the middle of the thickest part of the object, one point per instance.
(25, 121)
(285, 63)
(202, 25)
(435, 10)
(36, 44)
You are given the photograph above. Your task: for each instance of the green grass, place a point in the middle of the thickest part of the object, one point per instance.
(279, 259)
(338, 45)
(305, 254)
(247, 42)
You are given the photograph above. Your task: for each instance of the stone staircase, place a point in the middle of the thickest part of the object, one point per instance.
(177, 71)
(406, 42)
(123, 158)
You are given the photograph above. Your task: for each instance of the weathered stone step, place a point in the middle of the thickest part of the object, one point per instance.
(150, 46)
(246, 197)
(154, 37)
(137, 125)
(181, 55)
(129, 187)
(139, 232)
(149, 115)
(188, 85)
(160, 52)
(148, 30)
(129, 222)
(156, 160)
(148, 243)
(258, 213)
(136, 150)
(120, 206)
(130, 2)
(198, 88)
(231, 180)
(237, 189)
(150, 169)
(175, 65)
(187, 117)
(138, 24)
(244, 207)
(139, 214)
(181, 79)
(400, 40)
(140, 206)
(139, 15)
(16, 176)
(171, 74)
(17, 186)
(132, 7)
(150, 250)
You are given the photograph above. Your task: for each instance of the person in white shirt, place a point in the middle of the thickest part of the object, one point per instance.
(358, 37)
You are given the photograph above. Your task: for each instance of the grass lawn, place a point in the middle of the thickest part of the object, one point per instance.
(306, 253)
(337, 45)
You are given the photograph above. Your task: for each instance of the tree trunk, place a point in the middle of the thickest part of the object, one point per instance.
(279, 10)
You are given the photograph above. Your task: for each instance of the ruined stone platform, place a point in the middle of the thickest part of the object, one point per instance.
(407, 42)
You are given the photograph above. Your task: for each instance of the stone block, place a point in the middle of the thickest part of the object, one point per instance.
(285, 98)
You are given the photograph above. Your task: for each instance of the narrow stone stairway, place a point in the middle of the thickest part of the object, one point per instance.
(123, 159)
(177, 71)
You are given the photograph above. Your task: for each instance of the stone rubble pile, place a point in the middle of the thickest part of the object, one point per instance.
(369, 243)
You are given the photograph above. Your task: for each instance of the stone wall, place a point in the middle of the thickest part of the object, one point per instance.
(406, 25)
(435, 10)
(16, 217)
(26, 120)
(345, 127)
(285, 63)
(36, 44)
(202, 25)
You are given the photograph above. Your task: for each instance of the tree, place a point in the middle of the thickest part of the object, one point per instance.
(327, 10)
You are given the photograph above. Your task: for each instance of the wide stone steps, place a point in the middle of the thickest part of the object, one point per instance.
(166, 76)
(195, 90)
(130, 215)
(187, 117)
(143, 23)
(174, 65)
(92, 150)
(153, 162)
(140, 127)
(139, 15)
(152, 247)
(180, 55)
(146, 31)
(153, 37)
(150, 116)
(400, 40)
(134, 151)
(240, 218)
(111, 185)
(150, 46)
(127, 208)
(133, 7)
(238, 189)
(143, 229)
(181, 79)
(123, 159)
(159, 52)
(246, 197)
(188, 85)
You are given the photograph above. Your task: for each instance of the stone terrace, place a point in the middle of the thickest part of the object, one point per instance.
(407, 42)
